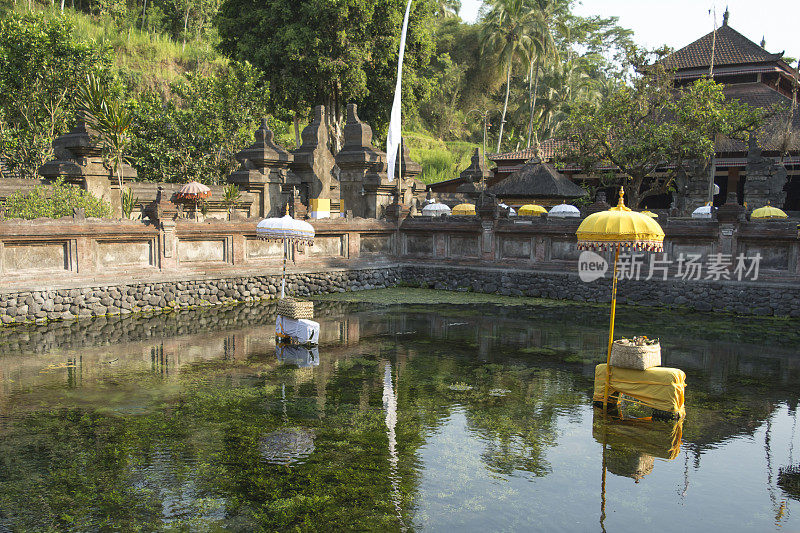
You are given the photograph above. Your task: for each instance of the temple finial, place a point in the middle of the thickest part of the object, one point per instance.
(725, 16)
(621, 196)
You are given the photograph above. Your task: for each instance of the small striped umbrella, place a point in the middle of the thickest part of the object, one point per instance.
(193, 192)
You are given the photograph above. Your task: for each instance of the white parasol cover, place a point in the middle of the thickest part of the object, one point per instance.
(285, 227)
(704, 211)
(435, 209)
(564, 211)
(511, 211)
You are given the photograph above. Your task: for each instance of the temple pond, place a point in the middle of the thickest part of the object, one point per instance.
(413, 416)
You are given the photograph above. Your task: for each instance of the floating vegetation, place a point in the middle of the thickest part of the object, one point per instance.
(287, 446)
(499, 393)
(460, 387)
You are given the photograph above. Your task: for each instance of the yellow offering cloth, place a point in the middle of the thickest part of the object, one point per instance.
(659, 387)
(658, 439)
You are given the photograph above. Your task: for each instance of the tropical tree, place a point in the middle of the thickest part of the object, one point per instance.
(196, 135)
(505, 33)
(651, 133)
(564, 83)
(548, 15)
(40, 59)
(448, 8)
(331, 53)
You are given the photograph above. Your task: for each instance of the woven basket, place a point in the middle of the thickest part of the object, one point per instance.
(624, 355)
(297, 310)
(629, 463)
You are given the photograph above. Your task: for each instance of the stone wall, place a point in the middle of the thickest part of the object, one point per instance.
(124, 299)
(68, 268)
(758, 299)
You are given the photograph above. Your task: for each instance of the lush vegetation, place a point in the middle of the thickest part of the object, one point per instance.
(193, 78)
(58, 200)
(644, 126)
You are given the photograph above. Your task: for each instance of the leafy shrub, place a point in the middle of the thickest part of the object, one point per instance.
(54, 201)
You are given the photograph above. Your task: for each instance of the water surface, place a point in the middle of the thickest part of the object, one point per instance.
(408, 417)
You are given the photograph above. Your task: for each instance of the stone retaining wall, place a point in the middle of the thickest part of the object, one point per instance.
(68, 304)
(742, 298)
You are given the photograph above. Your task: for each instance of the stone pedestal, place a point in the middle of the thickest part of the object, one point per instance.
(264, 171)
(413, 188)
(598, 205)
(362, 176)
(691, 188)
(379, 192)
(731, 211)
(474, 178)
(313, 162)
(765, 179)
(79, 160)
(161, 208)
(487, 207)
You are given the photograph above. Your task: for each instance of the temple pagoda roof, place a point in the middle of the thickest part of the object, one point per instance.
(537, 180)
(731, 48)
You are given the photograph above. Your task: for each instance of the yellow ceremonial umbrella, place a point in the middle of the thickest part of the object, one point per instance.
(532, 210)
(768, 213)
(616, 228)
(650, 214)
(463, 209)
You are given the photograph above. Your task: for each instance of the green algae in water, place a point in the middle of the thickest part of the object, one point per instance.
(200, 428)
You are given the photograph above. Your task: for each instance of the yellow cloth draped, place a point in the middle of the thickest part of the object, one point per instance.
(658, 439)
(659, 387)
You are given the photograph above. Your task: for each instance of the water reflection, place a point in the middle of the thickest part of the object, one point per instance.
(417, 417)
(299, 356)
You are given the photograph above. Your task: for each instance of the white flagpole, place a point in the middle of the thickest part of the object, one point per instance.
(395, 121)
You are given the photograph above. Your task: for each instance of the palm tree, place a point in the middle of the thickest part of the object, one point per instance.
(547, 18)
(506, 32)
(110, 120)
(564, 83)
(448, 8)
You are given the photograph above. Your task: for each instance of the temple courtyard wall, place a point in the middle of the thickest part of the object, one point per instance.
(73, 268)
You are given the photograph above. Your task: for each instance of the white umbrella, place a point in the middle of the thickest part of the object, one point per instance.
(287, 230)
(511, 211)
(564, 211)
(703, 211)
(435, 209)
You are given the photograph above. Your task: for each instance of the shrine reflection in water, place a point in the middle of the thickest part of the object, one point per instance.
(405, 417)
